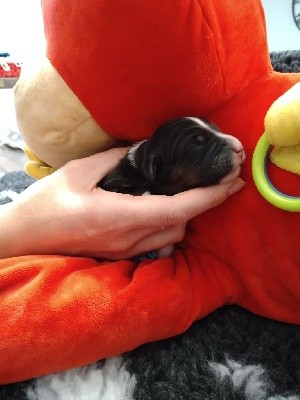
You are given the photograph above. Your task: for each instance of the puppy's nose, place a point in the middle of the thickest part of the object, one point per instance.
(241, 154)
(236, 144)
(237, 147)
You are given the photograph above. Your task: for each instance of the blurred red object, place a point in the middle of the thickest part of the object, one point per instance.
(9, 69)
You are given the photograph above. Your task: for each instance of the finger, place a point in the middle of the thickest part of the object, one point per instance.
(102, 163)
(178, 209)
(138, 236)
(93, 168)
(135, 236)
(153, 242)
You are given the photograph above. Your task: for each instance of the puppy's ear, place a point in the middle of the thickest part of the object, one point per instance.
(115, 181)
(153, 166)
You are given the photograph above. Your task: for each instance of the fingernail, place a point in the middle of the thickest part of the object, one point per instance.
(236, 187)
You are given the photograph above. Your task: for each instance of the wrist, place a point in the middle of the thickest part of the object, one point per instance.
(10, 235)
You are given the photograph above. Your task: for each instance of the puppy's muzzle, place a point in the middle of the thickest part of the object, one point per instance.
(238, 156)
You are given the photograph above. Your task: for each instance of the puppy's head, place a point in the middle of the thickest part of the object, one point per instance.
(186, 153)
(182, 154)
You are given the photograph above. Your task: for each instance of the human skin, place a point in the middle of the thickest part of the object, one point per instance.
(66, 213)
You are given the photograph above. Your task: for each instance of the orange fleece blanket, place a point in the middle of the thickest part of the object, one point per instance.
(135, 64)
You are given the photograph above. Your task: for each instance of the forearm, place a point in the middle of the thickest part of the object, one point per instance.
(29, 228)
(12, 234)
(23, 230)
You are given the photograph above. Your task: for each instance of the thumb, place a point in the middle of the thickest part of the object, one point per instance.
(196, 201)
(178, 209)
(93, 168)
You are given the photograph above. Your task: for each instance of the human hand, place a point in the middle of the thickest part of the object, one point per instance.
(66, 213)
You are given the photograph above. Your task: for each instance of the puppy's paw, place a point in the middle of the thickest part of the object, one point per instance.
(165, 251)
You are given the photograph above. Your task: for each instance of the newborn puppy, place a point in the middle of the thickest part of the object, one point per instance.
(182, 154)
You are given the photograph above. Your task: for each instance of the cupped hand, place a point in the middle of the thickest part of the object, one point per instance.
(66, 213)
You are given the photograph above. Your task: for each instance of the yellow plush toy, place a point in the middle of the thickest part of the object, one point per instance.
(36, 167)
(282, 129)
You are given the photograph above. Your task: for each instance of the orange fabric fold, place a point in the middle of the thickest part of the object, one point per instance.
(60, 312)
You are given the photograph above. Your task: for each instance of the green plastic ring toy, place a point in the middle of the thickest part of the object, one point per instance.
(263, 183)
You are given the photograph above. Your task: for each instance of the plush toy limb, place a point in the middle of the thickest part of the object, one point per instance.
(282, 126)
(62, 312)
(35, 167)
(287, 157)
(282, 121)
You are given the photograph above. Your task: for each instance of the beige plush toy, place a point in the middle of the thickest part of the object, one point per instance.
(282, 129)
(54, 123)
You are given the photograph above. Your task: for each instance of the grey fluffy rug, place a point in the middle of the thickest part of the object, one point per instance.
(232, 354)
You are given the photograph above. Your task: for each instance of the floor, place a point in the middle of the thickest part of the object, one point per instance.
(12, 158)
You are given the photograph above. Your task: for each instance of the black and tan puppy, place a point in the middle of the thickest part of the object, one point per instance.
(181, 154)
